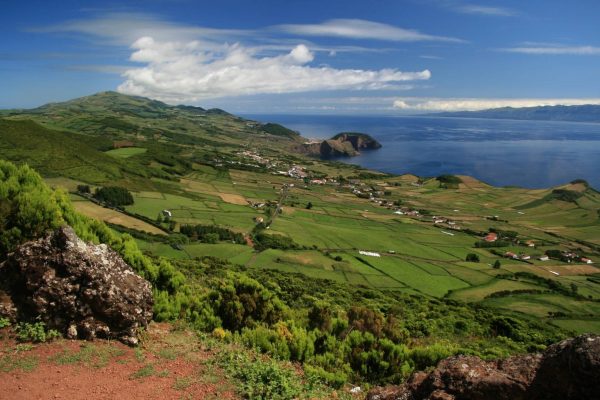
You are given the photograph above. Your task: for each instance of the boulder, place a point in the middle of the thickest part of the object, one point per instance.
(81, 289)
(568, 370)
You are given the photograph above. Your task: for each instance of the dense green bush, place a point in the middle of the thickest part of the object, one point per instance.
(241, 302)
(114, 195)
(472, 257)
(274, 241)
(211, 233)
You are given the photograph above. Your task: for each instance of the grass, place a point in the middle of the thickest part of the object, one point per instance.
(54, 152)
(126, 152)
(478, 293)
(89, 355)
(18, 361)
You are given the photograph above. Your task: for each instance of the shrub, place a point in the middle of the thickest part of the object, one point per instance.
(4, 322)
(261, 379)
(36, 332)
(366, 320)
(241, 302)
(85, 189)
(319, 317)
(472, 257)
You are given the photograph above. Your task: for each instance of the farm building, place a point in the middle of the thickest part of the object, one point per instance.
(586, 260)
(491, 237)
(166, 213)
(369, 253)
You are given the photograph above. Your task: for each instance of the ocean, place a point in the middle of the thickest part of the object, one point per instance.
(530, 154)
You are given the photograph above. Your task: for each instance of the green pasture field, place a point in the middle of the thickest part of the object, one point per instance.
(126, 152)
(479, 292)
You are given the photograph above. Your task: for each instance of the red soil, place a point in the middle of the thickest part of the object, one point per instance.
(175, 374)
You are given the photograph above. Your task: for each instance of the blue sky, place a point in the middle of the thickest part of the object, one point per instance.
(378, 57)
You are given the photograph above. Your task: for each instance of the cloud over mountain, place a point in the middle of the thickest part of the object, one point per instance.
(177, 71)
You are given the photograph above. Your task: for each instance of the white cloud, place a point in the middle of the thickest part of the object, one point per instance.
(472, 104)
(554, 50)
(363, 29)
(485, 10)
(126, 28)
(177, 71)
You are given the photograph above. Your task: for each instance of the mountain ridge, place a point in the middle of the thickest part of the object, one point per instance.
(579, 113)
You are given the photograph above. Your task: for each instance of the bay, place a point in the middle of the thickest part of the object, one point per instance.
(531, 154)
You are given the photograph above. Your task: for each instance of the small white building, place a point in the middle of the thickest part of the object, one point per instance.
(167, 213)
(544, 258)
(369, 253)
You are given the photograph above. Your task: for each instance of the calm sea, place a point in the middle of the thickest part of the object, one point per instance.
(532, 154)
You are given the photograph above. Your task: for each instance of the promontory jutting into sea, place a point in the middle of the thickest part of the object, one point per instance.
(531, 154)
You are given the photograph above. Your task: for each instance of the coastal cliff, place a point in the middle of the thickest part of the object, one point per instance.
(345, 144)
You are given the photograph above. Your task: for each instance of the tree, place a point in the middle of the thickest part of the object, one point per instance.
(159, 218)
(114, 196)
(497, 264)
(211, 238)
(309, 205)
(472, 257)
(574, 288)
(84, 189)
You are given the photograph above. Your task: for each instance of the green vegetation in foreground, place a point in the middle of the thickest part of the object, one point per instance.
(339, 332)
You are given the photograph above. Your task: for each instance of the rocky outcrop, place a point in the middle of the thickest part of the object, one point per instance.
(568, 370)
(81, 289)
(345, 144)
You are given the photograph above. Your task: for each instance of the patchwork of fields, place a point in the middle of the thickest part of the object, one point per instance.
(415, 256)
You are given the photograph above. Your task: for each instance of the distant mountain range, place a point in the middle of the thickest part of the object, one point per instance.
(584, 113)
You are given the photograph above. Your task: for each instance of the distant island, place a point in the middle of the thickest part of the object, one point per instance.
(583, 113)
(344, 144)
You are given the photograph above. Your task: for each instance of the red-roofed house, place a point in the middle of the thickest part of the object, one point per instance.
(491, 237)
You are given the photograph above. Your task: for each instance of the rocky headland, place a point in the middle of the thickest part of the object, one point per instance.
(345, 144)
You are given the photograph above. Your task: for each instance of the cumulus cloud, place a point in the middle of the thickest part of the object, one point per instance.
(554, 50)
(184, 71)
(425, 104)
(363, 29)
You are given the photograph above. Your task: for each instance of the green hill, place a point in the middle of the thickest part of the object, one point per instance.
(54, 152)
